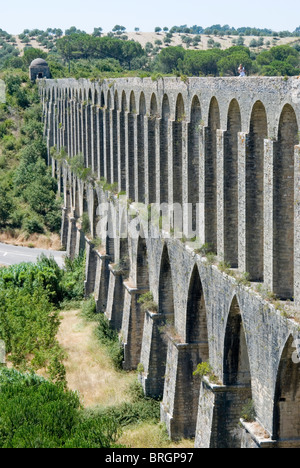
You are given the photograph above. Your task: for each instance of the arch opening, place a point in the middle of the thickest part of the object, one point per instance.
(231, 184)
(236, 360)
(284, 204)
(152, 152)
(287, 396)
(193, 159)
(255, 192)
(141, 148)
(211, 174)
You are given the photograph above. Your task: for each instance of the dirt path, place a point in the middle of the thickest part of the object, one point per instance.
(89, 370)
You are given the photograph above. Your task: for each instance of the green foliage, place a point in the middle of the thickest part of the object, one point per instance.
(110, 339)
(204, 369)
(38, 414)
(28, 197)
(248, 412)
(147, 302)
(28, 319)
(72, 281)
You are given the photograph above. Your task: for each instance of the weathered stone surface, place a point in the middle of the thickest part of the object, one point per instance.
(227, 146)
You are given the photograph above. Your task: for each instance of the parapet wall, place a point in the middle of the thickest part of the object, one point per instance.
(226, 151)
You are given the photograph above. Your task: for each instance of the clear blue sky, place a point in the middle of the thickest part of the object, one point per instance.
(16, 15)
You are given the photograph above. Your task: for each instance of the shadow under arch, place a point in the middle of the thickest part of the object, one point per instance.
(231, 184)
(122, 181)
(141, 148)
(258, 132)
(236, 368)
(194, 160)
(178, 149)
(152, 149)
(284, 203)
(286, 418)
(211, 174)
(155, 344)
(131, 146)
(164, 150)
(237, 390)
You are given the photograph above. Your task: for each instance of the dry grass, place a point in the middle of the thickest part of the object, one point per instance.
(91, 373)
(39, 241)
(88, 366)
(147, 435)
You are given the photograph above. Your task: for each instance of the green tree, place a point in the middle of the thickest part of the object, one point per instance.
(169, 58)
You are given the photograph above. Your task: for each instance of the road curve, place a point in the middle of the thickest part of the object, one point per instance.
(12, 255)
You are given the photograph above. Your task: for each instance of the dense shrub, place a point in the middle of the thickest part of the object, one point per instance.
(38, 414)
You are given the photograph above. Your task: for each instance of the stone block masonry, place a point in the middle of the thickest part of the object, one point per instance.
(226, 152)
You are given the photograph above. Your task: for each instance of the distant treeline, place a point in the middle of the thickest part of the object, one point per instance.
(81, 55)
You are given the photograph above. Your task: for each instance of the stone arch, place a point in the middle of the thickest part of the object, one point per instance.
(284, 204)
(231, 184)
(142, 268)
(159, 347)
(165, 288)
(114, 116)
(96, 97)
(107, 138)
(152, 149)
(194, 159)
(178, 150)
(164, 150)
(255, 192)
(122, 181)
(196, 321)
(211, 174)
(110, 237)
(124, 255)
(131, 146)
(286, 419)
(116, 100)
(101, 135)
(102, 99)
(141, 148)
(236, 365)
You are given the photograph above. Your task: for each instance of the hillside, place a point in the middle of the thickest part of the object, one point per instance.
(177, 39)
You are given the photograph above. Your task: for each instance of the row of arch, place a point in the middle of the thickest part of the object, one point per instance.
(134, 151)
(236, 362)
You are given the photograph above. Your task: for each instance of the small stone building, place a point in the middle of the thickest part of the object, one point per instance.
(39, 69)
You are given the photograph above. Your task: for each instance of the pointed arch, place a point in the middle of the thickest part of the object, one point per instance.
(193, 159)
(196, 321)
(122, 182)
(142, 268)
(152, 150)
(110, 236)
(107, 138)
(211, 174)
(177, 150)
(101, 135)
(236, 366)
(231, 184)
(286, 421)
(255, 192)
(164, 167)
(141, 148)
(131, 146)
(166, 292)
(115, 138)
(284, 204)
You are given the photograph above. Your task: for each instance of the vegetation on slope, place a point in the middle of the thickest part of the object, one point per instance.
(28, 193)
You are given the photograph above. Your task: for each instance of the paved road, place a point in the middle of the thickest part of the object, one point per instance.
(11, 255)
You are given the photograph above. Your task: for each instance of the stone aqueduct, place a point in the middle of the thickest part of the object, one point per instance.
(229, 148)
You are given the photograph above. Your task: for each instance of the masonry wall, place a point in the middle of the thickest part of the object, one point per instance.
(228, 146)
